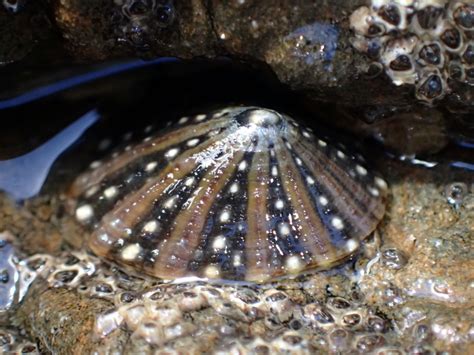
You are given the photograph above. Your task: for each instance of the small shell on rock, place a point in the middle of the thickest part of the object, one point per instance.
(243, 193)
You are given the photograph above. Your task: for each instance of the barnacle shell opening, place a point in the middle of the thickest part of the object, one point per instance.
(426, 43)
(243, 193)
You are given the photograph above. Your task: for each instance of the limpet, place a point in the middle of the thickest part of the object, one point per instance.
(244, 193)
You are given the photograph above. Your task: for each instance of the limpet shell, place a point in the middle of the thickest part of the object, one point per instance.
(244, 193)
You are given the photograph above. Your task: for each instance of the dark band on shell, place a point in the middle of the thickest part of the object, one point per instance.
(243, 193)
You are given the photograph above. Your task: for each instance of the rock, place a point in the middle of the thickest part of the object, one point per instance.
(411, 296)
(321, 50)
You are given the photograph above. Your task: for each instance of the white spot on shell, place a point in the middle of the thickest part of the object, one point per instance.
(337, 223)
(211, 272)
(243, 165)
(192, 142)
(323, 201)
(110, 192)
(200, 118)
(288, 145)
(150, 227)
(380, 183)
(91, 191)
(284, 229)
(172, 153)
(95, 164)
(374, 191)
(234, 188)
(213, 133)
(279, 204)
(84, 213)
(151, 166)
(294, 263)
(322, 143)
(298, 161)
(310, 180)
(224, 217)
(219, 242)
(361, 170)
(306, 134)
(274, 171)
(340, 154)
(183, 120)
(237, 260)
(170, 203)
(189, 181)
(352, 245)
(130, 252)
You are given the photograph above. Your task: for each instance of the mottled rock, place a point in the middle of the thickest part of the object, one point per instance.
(311, 47)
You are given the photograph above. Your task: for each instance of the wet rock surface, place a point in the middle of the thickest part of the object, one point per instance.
(312, 47)
(410, 291)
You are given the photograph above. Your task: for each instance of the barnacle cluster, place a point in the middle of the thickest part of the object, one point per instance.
(11, 342)
(227, 318)
(427, 43)
(137, 18)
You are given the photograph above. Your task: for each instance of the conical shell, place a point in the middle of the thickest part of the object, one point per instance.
(244, 193)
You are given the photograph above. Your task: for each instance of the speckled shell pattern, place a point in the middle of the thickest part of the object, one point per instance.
(243, 193)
